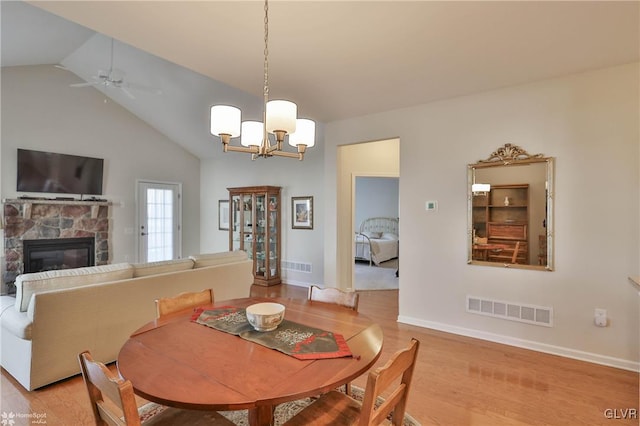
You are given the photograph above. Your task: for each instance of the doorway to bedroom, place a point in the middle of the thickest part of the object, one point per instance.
(376, 254)
(379, 158)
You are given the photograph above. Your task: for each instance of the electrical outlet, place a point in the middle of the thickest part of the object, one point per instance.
(600, 318)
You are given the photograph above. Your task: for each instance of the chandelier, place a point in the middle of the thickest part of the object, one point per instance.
(279, 118)
(481, 188)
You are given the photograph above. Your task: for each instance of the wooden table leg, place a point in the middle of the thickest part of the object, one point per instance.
(261, 416)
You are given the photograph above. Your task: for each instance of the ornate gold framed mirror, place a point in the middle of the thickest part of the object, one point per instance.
(510, 210)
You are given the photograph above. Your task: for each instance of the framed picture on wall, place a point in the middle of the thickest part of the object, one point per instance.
(223, 215)
(302, 212)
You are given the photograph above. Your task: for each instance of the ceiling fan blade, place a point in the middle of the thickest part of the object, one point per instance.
(62, 67)
(83, 84)
(127, 92)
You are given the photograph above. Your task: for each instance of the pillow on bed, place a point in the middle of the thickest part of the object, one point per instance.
(373, 235)
(389, 236)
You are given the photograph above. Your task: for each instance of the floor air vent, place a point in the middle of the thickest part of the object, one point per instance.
(296, 266)
(531, 314)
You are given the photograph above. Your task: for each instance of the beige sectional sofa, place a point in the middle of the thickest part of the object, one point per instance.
(58, 314)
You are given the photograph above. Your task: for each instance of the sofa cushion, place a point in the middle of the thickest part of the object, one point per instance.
(17, 323)
(6, 302)
(213, 259)
(161, 267)
(28, 284)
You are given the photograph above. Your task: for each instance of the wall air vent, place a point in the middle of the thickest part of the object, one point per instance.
(530, 314)
(296, 266)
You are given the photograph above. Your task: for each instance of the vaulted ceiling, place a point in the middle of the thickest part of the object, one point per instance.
(335, 59)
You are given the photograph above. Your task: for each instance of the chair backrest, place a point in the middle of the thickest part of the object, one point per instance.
(401, 365)
(112, 398)
(515, 252)
(348, 299)
(168, 305)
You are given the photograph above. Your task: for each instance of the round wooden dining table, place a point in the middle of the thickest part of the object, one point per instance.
(180, 363)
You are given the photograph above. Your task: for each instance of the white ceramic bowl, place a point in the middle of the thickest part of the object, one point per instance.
(265, 316)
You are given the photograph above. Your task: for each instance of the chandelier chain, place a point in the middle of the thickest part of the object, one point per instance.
(265, 136)
(266, 50)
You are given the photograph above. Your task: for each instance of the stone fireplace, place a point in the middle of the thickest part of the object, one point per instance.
(57, 225)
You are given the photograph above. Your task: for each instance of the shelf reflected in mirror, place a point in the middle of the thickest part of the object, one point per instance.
(510, 210)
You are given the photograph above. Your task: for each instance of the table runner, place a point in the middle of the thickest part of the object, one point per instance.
(297, 340)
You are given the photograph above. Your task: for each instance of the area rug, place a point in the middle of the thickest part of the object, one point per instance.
(287, 410)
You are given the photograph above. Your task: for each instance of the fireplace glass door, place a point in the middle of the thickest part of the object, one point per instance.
(59, 253)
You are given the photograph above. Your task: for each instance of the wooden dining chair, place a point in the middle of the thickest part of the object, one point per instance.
(334, 295)
(514, 257)
(336, 408)
(113, 402)
(168, 305)
(348, 299)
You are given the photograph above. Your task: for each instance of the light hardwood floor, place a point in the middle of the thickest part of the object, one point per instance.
(458, 380)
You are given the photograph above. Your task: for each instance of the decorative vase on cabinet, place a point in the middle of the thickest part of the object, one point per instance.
(255, 228)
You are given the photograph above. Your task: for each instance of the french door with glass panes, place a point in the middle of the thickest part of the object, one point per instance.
(159, 221)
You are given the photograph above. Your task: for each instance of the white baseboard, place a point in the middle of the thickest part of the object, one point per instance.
(526, 344)
(296, 283)
(307, 285)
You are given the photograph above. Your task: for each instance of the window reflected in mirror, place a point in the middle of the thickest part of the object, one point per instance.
(510, 210)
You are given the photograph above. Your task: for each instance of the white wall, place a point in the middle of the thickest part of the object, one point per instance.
(375, 197)
(589, 123)
(40, 111)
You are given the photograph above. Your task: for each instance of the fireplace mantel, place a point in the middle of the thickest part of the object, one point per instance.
(28, 202)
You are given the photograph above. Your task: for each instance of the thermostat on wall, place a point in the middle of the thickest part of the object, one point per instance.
(431, 206)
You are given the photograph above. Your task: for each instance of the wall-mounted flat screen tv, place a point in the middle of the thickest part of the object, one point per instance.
(59, 173)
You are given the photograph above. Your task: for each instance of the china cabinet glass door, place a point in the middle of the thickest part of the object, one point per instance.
(261, 237)
(236, 221)
(274, 235)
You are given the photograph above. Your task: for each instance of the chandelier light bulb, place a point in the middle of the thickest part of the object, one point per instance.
(305, 133)
(252, 132)
(281, 116)
(225, 120)
(480, 188)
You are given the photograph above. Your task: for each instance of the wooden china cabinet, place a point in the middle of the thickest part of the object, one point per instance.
(502, 218)
(255, 228)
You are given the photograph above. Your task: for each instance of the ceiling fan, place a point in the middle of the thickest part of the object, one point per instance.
(115, 78)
